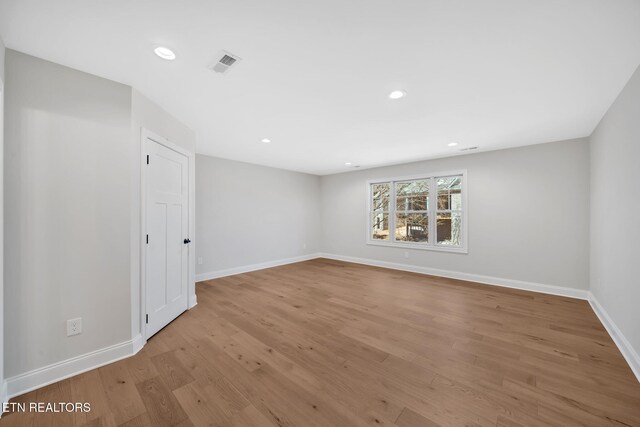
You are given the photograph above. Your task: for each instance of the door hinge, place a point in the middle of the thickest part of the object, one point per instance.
(147, 318)
(147, 159)
(147, 239)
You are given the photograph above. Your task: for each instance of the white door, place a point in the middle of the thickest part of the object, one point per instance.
(167, 223)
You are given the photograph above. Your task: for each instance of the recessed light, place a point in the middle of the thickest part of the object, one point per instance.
(265, 140)
(165, 53)
(397, 94)
(347, 164)
(452, 144)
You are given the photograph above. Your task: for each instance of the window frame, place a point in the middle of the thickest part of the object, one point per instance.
(432, 244)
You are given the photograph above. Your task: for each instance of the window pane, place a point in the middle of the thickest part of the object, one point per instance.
(449, 228)
(380, 225)
(449, 192)
(412, 195)
(380, 196)
(412, 227)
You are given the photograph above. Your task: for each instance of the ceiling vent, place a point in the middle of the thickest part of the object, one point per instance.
(225, 61)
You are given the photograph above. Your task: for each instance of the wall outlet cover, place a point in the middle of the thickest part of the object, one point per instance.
(74, 327)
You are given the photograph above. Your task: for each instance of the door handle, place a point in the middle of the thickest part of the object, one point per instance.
(186, 241)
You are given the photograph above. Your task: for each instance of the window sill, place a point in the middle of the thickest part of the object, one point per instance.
(458, 250)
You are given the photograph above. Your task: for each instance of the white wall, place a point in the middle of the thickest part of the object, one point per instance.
(248, 214)
(528, 214)
(147, 115)
(67, 217)
(1, 60)
(615, 213)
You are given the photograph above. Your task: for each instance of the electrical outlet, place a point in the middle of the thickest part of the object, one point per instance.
(406, 254)
(200, 260)
(304, 246)
(74, 326)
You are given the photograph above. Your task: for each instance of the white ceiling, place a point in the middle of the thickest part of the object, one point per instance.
(315, 75)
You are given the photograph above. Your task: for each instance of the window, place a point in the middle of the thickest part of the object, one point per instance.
(380, 211)
(426, 212)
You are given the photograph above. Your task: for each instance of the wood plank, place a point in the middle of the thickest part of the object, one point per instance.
(171, 370)
(123, 397)
(410, 418)
(162, 407)
(83, 389)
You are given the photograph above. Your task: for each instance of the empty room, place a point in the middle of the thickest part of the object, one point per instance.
(320, 213)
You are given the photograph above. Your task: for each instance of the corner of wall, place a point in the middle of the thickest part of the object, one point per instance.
(613, 271)
(623, 344)
(3, 384)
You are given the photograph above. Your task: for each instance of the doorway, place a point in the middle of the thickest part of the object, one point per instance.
(166, 236)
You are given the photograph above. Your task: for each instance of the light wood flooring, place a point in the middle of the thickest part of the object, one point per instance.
(329, 343)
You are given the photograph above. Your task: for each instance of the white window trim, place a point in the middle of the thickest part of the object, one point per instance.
(431, 246)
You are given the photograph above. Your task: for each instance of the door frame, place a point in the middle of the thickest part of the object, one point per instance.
(191, 294)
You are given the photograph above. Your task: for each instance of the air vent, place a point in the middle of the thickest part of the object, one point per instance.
(468, 148)
(226, 60)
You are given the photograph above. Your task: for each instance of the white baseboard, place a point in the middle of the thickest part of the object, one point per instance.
(194, 301)
(24, 383)
(137, 343)
(253, 267)
(625, 347)
(496, 281)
